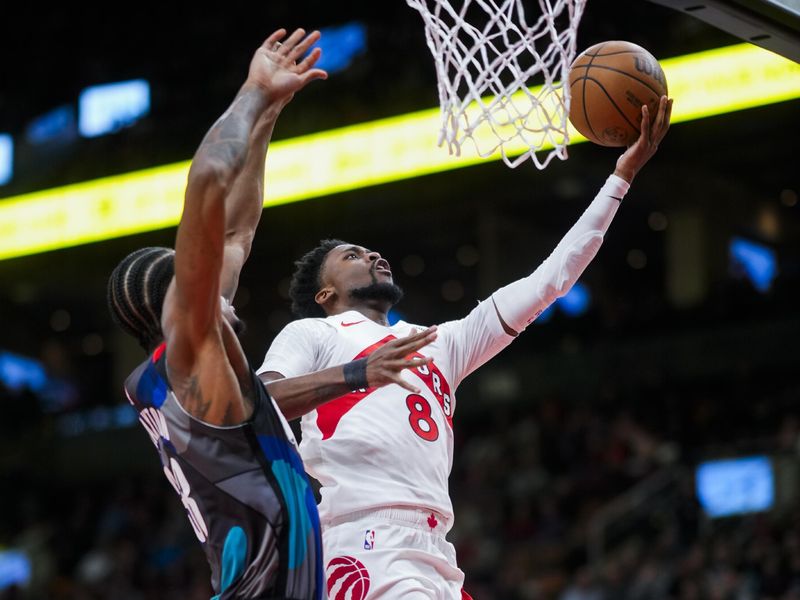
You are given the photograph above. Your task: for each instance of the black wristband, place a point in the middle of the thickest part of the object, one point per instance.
(355, 374)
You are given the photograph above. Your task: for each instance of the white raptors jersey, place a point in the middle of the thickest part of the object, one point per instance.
(385, 446)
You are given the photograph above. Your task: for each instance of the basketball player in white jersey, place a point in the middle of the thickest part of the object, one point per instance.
(383, 455)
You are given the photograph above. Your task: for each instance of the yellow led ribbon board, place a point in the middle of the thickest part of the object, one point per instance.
(703, 84)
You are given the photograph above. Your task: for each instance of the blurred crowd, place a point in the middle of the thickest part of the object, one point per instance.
(528, 481)
(529, 490)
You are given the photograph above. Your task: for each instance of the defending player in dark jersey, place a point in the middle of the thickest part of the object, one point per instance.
(243, 487)
(223, 444)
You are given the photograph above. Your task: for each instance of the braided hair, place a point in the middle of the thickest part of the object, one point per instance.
(136, 291)
(306, 282)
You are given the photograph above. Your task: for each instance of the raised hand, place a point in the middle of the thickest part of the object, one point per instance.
(275, 68)
(385, 365)
(650, 136)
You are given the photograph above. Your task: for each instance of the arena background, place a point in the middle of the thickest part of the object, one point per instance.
(576, 447)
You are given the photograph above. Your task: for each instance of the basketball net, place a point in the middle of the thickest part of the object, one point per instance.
(486, 58)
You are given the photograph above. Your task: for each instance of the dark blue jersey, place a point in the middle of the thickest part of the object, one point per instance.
(244, 489)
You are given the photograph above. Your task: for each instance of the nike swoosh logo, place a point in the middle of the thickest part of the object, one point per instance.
(343, 324)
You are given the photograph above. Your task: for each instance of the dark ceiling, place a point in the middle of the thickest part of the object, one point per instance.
(195, 61)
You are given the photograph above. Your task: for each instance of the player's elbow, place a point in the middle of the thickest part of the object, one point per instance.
(210, 177)
(240, 239)
(572, 267)
(553, 290)
(268, 377)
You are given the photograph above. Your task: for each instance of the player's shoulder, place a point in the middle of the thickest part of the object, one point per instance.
(148, 383)
(403, 326)
(309, 324)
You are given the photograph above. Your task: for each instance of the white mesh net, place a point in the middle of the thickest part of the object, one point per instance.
(486, 58)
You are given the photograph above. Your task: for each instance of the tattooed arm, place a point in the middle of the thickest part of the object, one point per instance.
(244, 203)
(205, 361)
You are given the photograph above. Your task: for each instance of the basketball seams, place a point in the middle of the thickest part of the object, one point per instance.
(627, 77)
(620, 72)
(584, 104)
(614, 53)
(615, 105)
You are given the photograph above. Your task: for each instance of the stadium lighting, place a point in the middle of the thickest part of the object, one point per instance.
(340, 45)
(107, 108)
(735, 486)
(6, 158)
(401, 147)
(755, 261)
(56, 125)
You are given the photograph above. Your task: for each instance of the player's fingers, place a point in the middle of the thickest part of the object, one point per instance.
(659, 106)
(314, 74)
(421, 332)
(274, 38)
(405, 346)
(419, 342)
(309, 61)
(413, 363)
(658, 125)
(414, 341)
(398, 344)
(399, 365)
(304, 45)
(664, 114)
(668, 117)
(645, 131)
(297, 35)
(415, 335)
(409, 348)
(408, 362)
(404, 384)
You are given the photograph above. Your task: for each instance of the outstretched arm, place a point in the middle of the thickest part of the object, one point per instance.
(244, 203)
(243, 206)
(192, 321)
(493, 324)
(521, 302)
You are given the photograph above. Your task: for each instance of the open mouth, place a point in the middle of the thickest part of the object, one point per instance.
(382, 266)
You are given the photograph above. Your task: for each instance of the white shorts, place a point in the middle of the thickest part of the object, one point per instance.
(390, 553)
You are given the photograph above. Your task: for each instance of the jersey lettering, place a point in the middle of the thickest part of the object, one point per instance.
(154, 423)
(330, 413)
(176, 477)
(437, 384)
(420, 418)
(434, 380)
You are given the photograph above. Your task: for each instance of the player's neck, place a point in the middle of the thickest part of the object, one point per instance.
(377, 312)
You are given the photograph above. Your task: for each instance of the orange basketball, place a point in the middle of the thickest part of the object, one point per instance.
(609, 83)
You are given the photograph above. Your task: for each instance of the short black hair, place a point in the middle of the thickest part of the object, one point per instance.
(306, 282)
(136, 291)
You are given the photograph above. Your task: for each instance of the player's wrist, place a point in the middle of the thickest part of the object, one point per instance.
(273, 97)
(627, 174)
(252, 98)
(355, 374)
